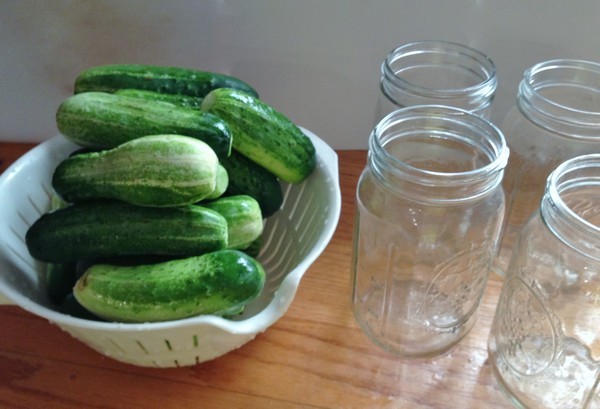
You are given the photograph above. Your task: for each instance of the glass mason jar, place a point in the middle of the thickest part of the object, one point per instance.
(545, 340)
(429, 212)
(436, 73)
(556, 117)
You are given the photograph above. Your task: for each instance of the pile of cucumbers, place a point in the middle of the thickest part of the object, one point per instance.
(159, 215)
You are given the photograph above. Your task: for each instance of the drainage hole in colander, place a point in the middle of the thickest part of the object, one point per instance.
(142, 347)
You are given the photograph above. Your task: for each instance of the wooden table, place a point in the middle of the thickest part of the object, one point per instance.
(314, 357)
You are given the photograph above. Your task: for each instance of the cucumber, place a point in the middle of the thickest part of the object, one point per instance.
(97, 229)
(244, 219)
(263, 134)
(175, 99)
(100, 120)
(156, 170)
(222, 181)
(60, 279)
(253, 250)
(167, 80)
(249, 178)
(219, 283)
(71, 306)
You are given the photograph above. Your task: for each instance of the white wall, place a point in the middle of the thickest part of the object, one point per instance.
(316, 61)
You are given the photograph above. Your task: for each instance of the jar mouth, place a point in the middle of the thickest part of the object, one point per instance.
(439, 145)
(571, 205)
(564, 96)
(446, 63)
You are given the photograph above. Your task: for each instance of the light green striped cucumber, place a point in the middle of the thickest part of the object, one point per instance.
(99, 229)
(100, 120)
(244, 219)
(222, 183)
(155, 170)
(164, 79)
(220, 283)
(263, 134)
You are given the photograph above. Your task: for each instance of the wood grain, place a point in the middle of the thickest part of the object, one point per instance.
(314, 357)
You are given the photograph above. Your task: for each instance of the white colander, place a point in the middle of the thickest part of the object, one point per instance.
(294, 237)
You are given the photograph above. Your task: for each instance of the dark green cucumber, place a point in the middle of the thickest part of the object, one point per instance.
(244, 219)
(100, 120)
(253, 250)
(249, 178)
(168, 80)
(71, 306)
(263, 134)
(96, 229)
(156, 170)
(175, 99)
(60, 279)
(220, 283)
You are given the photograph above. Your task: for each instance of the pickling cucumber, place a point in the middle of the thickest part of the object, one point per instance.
(168, 80)
(175, 99)
(249, 178)
(71, 306)
(97, 229)
(100, 120)
(244, 219)
(60, 278)
(263, 134)
(156, 170)
(222, 181)
(220, 283)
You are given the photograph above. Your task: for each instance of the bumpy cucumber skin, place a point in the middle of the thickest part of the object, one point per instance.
(175, 99)
(97, 229)
(244, 219)
(168, 80)
(221, 183)
(100, 120)
(156, 170)
(249, 178)
(219, 283)
(263, 134)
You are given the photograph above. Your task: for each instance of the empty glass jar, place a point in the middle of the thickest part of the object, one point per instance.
(437, 73)
(556, 117)
(545, 339)
(429, 212)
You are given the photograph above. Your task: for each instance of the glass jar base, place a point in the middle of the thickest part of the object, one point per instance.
(567, 384)
(402, 329)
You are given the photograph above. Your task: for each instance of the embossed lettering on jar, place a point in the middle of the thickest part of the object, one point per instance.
(429, 211)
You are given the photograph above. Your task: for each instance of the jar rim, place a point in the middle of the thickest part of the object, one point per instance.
(553, 114)
(460, 54)
(497, 151)
(556, 185)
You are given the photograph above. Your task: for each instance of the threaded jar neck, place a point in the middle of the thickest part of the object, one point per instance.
(437, 154)
(570, 207)
(439, 73)
(563, 96)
